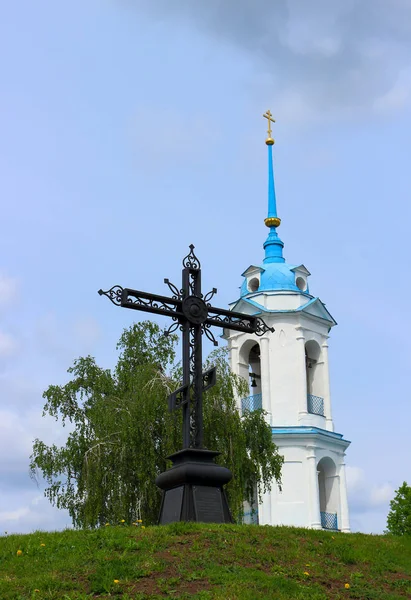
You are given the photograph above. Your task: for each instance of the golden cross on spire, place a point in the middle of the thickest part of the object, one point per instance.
(269, 141)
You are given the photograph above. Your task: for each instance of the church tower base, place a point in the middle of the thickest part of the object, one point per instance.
(313, 490)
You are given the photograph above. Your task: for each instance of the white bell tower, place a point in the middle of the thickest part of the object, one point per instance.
(288, 373)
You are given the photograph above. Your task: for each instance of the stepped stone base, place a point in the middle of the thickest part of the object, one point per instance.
(193, 488)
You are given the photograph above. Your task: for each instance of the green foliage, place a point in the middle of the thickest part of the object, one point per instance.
(204, 562)
(121, 433)
(399, 517)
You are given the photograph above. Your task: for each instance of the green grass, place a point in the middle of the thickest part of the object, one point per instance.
(204, 562)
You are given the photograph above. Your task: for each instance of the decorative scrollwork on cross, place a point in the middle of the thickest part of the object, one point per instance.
(210, 295)
(146, 303)
(262, 328)
(173, 327)
(209, 334)
(174, 290)
(113, 294)
(192, 313)
(191, 261)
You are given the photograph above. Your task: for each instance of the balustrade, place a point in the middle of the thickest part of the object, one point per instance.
(315, 405)
(252, 403)
(329, 521)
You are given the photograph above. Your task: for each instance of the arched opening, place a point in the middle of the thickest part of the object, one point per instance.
(255, 369)
(253, 284)
(313, 367)
(250, 369)
(301, 283)
(329, 491)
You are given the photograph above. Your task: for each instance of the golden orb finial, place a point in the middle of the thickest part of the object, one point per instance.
(272, 221)
(269, 141)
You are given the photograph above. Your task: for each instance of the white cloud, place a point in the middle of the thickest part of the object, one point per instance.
(368, 502)
(15, 448)
(18, 429)
(381, 495)
(13, 515)
(32, 512)
(365, 495)
(21, 420)
(23, 507)
(397, 97)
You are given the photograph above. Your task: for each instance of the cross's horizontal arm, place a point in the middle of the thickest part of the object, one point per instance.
(231, 320)
(228, 319)
(152, 303)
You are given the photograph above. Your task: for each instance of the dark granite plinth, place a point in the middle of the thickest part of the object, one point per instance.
(193, 488)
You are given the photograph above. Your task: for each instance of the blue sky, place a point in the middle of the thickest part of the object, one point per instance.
(132, 128)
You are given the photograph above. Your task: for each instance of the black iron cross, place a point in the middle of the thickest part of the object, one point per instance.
(194, 315)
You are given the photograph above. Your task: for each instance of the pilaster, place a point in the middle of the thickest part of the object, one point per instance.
(345, 520)
(300, 373)
(314, 497)
(235, 366)
(265, 377)
(329, 425)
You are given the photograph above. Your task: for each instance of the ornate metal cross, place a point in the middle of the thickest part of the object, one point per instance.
(193, 314)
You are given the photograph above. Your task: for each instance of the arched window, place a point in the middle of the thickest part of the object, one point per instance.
(250, 369)
(329, 490)
(301, 283)
(255, 369)
(253, 284)
(314, 375)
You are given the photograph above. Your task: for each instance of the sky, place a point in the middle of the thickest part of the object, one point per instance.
(132, 128)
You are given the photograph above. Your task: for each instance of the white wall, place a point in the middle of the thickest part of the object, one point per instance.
(298, 503)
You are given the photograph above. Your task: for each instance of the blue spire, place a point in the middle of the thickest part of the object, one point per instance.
(273, 246)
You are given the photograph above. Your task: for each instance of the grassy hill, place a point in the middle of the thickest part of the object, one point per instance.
(200, 561)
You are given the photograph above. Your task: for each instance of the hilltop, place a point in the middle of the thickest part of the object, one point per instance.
(200, 561)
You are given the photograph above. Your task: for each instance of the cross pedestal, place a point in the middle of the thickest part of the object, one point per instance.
(193, 488)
